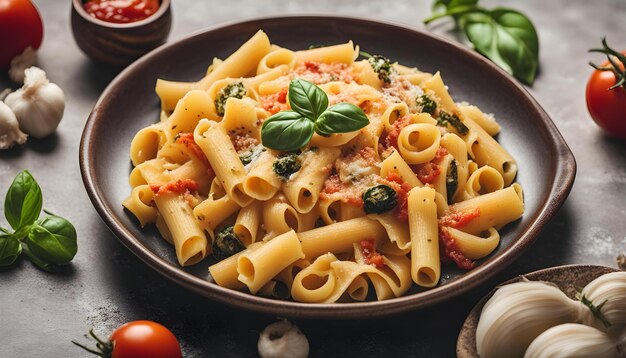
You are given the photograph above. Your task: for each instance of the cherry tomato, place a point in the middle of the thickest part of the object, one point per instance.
(136, 339)
(607, 107)
(20, 27)
(144, 339)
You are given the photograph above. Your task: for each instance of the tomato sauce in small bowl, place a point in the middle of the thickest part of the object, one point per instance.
(121, 11)
(117, 32)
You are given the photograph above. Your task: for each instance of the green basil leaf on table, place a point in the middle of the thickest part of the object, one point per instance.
(41, 263)
(287, 131)
(443, 6)
(341, 118)
(53, 240)
(23, 201)
(458, 3)
(307, 99)
(10, 249)
(506, 37)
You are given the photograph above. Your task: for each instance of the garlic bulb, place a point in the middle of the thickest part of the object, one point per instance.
(38, 105)
(573, 340)
(606, 295)
(10, 132)
(621, 261)
(282, 340)
(5, 92)
(517, 313)
(20, 63)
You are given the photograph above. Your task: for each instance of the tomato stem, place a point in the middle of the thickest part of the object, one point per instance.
(104, 348)
(615, 67)
(93, 351)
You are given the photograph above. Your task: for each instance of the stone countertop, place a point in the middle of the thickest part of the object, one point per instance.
(106, 285)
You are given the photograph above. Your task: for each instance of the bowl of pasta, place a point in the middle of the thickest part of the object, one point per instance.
(366, 170)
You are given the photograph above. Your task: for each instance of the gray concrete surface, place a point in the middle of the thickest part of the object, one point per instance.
(106, 285)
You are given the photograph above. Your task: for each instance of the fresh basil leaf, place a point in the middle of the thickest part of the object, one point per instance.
(506, 37)
(455, 10)
(39, 262)
(286, 131)
(10, 249)
(53, 240)
(23, 201)
(364, 54)
(307, 99)
(441, 4)
(451, 4)
(341, 118)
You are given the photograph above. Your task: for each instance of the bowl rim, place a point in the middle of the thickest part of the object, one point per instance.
(77, 5)
(563, 173)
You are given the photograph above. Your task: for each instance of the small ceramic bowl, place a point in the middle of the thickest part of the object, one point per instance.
(119, 44)
(567, 278)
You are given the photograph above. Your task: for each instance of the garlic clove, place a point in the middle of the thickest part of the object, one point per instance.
(20, 63)
(572, 340)
(10, 133)
(607, 294)
(38, 105)
(517, 313)
(282, 340)
(621, 261)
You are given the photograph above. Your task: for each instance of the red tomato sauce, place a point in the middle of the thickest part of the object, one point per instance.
(276, 102)
(179, 186)
(187, 140)
(320, 73)
(348, 194)
(372, 257)
(450, 252)
(459, 219)
(428, 172)
(391, 140)
(121, 11)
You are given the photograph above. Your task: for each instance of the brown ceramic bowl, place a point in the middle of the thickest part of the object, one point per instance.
(119, 44)
(567, 278)
(546, 164)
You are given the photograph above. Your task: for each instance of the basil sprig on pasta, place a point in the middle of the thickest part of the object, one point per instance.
(293, 129)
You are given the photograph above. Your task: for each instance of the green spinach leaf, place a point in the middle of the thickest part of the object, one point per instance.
(23, 201)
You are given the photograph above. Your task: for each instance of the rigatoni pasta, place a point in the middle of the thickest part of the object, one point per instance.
(351, 214)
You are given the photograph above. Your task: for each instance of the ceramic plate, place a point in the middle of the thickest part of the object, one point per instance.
(546, 164)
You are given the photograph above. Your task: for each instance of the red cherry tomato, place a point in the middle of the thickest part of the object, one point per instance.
(20, 27)
(144, 339)
(607, 107)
